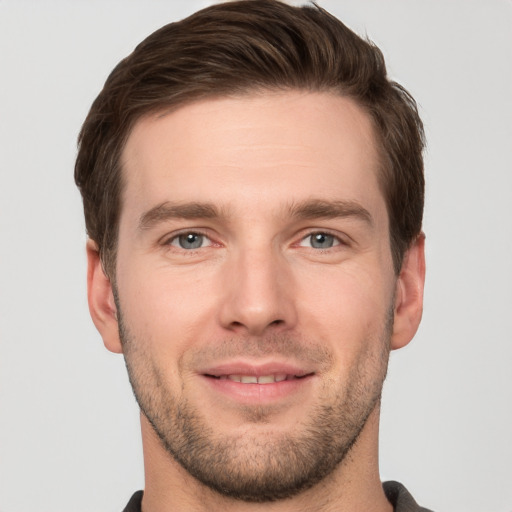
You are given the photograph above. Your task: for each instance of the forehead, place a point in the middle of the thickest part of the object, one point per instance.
(272, 148)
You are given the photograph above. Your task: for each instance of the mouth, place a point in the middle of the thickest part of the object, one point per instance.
(259, 379)
(250, 383)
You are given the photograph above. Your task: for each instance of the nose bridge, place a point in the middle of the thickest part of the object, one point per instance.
(259, 293)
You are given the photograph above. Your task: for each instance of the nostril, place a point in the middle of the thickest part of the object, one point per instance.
(274, 323)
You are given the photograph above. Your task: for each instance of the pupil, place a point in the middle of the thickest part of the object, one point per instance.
(191, 241)
(321, 241)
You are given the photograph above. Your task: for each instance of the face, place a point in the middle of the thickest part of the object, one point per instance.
(255, 289)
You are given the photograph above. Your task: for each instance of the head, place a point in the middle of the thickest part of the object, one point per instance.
(237, 48)
(253, 192)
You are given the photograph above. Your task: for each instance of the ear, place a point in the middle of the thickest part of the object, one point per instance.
(409, 294)
(101, 300)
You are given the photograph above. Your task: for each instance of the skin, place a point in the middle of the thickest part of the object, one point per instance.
(274, 166)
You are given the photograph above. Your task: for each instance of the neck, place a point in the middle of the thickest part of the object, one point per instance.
(354, 485)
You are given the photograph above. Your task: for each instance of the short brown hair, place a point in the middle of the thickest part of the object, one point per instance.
(238, 47)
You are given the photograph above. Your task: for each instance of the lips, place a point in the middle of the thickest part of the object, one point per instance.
(257, 382)
(257, 379)
(256, 373)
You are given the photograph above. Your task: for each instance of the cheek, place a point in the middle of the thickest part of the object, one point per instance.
(349, 307)
(166, 311)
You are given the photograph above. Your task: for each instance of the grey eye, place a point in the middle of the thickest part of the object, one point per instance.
(322, 241)
(189, 240)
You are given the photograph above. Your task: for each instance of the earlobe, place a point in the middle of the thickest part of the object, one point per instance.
(101, 300)
(409, 294)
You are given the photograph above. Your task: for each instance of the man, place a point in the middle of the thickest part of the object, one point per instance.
(253, 193)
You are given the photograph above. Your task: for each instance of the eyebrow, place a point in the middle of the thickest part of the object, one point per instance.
(321, 209)
(168, 210)
(306, 210)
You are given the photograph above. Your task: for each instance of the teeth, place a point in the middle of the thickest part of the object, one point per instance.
(263, 379)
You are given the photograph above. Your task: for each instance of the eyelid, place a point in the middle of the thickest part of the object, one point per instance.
(340, 239)
(171, 237)
(205, 242)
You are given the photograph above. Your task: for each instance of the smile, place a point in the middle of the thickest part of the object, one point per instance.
(250, 385)
(253, 379)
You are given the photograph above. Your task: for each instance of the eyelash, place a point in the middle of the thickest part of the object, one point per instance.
(336, 242)
(175, 238)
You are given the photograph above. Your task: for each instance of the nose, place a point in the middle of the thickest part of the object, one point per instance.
(258, 294)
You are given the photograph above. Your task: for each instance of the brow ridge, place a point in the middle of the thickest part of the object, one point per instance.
(169, 210)
(305, 210)
(320, 208)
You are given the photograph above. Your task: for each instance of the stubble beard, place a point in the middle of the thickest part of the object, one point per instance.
(260, 467)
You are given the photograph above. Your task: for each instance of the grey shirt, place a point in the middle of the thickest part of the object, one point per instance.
(400, 498)
(396, 493)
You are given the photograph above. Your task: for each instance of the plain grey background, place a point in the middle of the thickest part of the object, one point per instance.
(69, 434)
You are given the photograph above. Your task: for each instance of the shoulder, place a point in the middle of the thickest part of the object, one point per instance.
(401, 499)
(134, 505)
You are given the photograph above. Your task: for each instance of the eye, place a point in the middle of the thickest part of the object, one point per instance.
(320, 241)
(190, 241)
